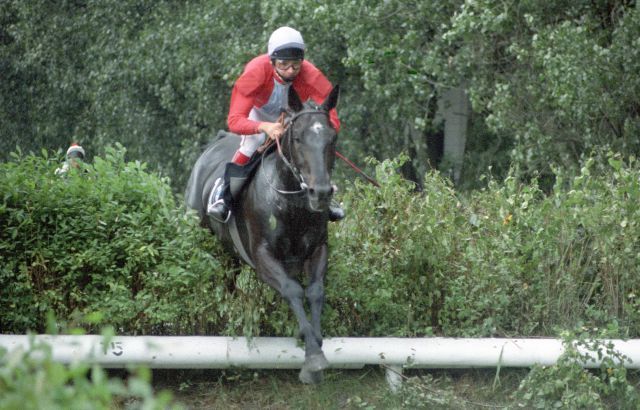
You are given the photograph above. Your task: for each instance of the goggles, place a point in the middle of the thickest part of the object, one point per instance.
(284, 65)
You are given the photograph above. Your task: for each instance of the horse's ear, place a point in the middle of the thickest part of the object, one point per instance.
(332, 100)
(294, 100)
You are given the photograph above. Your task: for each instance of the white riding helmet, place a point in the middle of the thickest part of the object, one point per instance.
(286, 44)
(75, 151)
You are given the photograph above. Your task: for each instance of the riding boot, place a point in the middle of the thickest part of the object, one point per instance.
(217, 208)
(336, 213)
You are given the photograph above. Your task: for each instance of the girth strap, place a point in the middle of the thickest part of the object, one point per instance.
(235, 237)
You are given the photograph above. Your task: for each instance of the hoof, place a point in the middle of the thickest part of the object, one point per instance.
(315, 363)
(308, 377)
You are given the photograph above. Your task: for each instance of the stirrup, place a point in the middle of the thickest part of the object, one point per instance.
(216, 207)
(219, 211)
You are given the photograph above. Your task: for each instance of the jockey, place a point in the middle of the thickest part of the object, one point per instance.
(260, 94)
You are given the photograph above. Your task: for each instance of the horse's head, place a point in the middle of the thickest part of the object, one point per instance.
(311, 147)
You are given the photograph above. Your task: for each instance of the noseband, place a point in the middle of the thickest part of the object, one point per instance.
(288, 136)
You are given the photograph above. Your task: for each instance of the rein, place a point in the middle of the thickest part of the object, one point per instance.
(287, 134)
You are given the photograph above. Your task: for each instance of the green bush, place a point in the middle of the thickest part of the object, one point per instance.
(32, 380)
(509, 260)
(567, 384)
(389, 255)
(108, 238)
(506, 260)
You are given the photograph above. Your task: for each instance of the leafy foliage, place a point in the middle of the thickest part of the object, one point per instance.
(106, 238)
(33, 380)
(568, 385)
(549, 81)
(554, 76)
(506, 260)
(106, 244)
(153, 75)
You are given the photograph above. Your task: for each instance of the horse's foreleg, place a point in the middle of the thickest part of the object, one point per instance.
(273, 273)
(316, 267)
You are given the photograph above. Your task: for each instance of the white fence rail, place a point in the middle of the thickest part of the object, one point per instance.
(217, 352)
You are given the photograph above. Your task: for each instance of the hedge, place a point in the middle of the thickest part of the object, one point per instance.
(110, 240)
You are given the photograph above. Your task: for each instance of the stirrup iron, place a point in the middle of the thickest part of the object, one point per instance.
(216, 207)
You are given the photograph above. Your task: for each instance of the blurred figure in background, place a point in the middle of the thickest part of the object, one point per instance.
(75, 154)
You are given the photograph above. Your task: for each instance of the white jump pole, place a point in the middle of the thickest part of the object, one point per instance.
(219, 352)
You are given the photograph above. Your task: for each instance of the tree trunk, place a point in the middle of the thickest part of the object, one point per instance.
(454, 109)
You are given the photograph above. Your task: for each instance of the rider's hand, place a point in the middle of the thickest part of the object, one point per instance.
(272, 129)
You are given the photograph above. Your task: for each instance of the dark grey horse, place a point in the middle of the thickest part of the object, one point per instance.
(279, 219)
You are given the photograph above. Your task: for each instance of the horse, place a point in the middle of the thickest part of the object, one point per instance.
(280, 217)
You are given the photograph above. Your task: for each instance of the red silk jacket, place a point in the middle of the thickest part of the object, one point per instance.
(260, 95)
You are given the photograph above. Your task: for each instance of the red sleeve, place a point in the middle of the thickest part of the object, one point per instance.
(238, 119)
(311, 83)
(244, 94)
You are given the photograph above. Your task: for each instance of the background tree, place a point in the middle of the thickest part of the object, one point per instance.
(554, 77)
(548, 82)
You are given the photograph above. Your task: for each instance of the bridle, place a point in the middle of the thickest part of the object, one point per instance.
(287, 138)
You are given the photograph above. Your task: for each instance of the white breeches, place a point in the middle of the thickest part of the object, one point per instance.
(250, 143)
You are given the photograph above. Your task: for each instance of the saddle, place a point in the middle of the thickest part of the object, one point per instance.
(236, 177)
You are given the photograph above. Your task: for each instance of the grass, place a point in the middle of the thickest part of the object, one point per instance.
(342, 389)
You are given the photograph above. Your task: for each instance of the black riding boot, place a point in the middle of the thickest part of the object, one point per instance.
(336, 213)
(217, 208)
